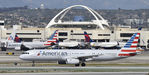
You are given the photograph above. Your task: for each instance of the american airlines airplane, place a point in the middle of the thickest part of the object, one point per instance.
(70, 44)
(15, 43)
(18, 45)
(11, 38)
(32, 45)
(79, 57)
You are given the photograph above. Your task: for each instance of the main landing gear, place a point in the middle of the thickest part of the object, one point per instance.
(82, 64)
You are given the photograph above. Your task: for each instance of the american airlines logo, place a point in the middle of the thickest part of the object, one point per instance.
(44, 53)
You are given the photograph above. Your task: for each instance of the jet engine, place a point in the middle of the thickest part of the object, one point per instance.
(17, 48)
(72, 61)
(61, 62)
(69, 61)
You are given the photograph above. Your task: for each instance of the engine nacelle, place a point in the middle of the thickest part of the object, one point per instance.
(89, 59)
(69, 61)
(61, 62)
(72, 61)
(17, 48)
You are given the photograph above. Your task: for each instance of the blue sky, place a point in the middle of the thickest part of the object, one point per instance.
(95, 4)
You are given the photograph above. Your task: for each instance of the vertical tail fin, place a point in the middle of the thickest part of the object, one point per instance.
(17, 39)
(12, 36)
(87, 37)
(52, 39)
(131, 46)
(54, 35)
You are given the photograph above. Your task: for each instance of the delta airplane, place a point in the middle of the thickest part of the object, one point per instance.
(32, 45)
(70, 44)
(106, 45)
(79, 57)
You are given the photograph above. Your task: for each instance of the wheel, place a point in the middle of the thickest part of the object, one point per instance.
(77, 65)
(83, 64)
(3, 48)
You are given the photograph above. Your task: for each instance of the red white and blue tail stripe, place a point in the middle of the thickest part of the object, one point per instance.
(52, 39)
(131, 46)
(10, 37)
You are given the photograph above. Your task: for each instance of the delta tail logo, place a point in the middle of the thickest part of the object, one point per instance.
(87, 37)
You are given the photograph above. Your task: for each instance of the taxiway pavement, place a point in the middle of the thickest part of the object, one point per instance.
(81, 73)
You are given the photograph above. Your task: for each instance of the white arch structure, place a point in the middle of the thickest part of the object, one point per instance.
(99, 20)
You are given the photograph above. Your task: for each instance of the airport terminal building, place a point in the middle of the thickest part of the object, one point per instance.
(98, 29)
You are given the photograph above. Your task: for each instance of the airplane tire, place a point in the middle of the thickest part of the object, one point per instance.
(83, 64)
(3, 48)
(77, 65)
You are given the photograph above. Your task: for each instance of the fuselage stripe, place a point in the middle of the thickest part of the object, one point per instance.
(128, 50)
(48, 44)
(51, 41)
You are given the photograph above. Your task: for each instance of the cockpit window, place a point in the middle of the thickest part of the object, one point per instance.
(25, 53)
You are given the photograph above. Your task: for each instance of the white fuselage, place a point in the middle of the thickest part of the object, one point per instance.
(13, 45)
(107, 44)
(31, 45)
(55, 55)
(69, 44)
(104, 44)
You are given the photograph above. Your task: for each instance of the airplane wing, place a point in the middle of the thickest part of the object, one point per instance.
(27, 46)
(85, 57)
(88, 56)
